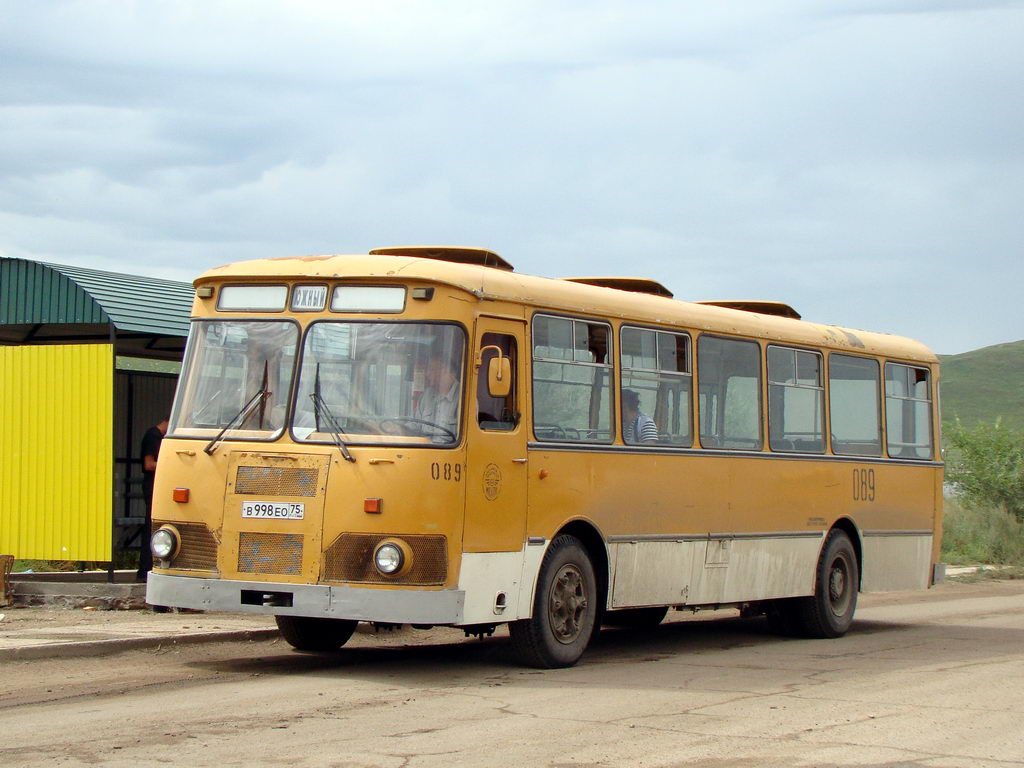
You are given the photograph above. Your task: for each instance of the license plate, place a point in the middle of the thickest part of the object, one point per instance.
(273, 511)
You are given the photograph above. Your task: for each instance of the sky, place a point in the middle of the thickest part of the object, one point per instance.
(861, 161)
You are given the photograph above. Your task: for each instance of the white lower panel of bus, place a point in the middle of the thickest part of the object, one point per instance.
(896, 560)
(712, 571)
(496, 587)
(488, 578)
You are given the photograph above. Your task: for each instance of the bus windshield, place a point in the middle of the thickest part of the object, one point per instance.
(238, 374)
(366, 382)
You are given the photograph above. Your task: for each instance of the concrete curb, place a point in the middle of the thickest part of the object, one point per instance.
(120, 644)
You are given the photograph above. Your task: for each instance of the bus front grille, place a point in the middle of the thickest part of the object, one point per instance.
(350, 559)
(198, 550)
(277, 553)
(276, 481)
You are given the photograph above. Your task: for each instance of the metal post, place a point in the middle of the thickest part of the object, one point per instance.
(113, 450)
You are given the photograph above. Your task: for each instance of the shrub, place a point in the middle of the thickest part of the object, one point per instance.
(974, 534)
(987, 466)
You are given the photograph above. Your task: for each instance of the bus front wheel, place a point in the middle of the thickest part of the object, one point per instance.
(305, 633)
(564, 608)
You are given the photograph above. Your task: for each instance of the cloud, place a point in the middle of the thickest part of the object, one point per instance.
(860, 160)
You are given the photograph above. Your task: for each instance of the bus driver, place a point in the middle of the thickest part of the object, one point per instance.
(439, 402)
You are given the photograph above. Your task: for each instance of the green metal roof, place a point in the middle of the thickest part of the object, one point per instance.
(33, 293)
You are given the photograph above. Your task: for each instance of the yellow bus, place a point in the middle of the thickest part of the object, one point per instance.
(424, 436)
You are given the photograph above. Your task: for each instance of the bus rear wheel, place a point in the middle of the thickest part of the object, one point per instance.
(305, 633)
(564, 608)
(829, 612)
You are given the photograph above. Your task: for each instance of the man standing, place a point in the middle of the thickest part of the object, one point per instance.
(150, 452)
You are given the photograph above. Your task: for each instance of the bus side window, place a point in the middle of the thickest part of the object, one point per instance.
(497, 413)
(729, 384)
(908, 412)
(853, 405)
(656, 368)
(796, 400)
(572, 375)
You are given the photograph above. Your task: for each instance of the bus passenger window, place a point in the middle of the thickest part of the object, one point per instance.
(853, 406)
(908, 412)
(496, 413)
(572, 380)
(729, 385)
(796, 401)
(656, 367)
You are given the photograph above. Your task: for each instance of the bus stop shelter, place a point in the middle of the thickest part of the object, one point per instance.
(88, 362)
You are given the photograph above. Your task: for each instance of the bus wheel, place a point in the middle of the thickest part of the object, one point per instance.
(829, 613)
(636, 618)
(563, 610)
(305, 633)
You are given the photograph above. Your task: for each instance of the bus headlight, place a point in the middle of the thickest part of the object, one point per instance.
(165, 543)
(392, 557)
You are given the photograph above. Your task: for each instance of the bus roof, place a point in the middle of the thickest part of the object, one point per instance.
(496, 281)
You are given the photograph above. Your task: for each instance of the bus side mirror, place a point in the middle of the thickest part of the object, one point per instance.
(499, 377)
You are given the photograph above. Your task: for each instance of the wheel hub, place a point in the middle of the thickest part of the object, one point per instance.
(567, 607)
(839, 587)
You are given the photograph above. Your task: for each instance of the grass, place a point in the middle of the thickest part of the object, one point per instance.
(976, 535)
(40, 566)
(983, 385)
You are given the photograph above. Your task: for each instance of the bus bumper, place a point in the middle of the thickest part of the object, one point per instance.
(400, 606)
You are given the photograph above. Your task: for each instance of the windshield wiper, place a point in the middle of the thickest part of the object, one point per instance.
(320, 408)
(260, 399)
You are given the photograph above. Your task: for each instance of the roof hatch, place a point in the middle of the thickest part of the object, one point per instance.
(632, 284)
(759, 307)
(456, 254)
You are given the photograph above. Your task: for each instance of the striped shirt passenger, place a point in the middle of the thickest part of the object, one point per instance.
(637, 427)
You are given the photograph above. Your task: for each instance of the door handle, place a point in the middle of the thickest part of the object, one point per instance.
(519, 461)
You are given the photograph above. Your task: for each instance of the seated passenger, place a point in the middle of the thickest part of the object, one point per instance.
(637, 427)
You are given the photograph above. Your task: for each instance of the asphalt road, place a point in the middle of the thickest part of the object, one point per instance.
(922, 679)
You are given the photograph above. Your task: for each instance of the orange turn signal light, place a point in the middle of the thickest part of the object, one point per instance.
(180, 495)
(373, 506)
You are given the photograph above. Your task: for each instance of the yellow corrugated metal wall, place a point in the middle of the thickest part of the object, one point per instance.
(56, 452)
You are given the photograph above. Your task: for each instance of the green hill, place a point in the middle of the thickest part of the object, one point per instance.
(984, 385)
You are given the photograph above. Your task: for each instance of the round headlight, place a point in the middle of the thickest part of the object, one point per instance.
(164, 544)
(389, 558)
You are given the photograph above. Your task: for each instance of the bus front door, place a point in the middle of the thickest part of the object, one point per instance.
(496, 467)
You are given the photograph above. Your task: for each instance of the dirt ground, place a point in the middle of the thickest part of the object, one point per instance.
(926, 679)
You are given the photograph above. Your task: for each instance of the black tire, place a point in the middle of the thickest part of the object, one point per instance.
(636, 618)
(305, 633)
(829, 613)
(564, 609)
